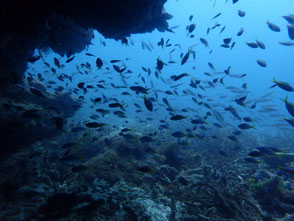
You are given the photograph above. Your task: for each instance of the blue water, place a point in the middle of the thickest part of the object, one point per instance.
(241, 58)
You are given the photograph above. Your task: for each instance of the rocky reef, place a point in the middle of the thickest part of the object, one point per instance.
(98, 182)
(26, 118)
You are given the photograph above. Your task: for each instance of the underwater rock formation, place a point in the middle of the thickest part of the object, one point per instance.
(66, 27)
(26, 118)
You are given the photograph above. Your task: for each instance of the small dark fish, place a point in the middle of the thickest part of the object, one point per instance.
(161, 42)
(48, 65)
(191, 28)
(291, 31)
(56, 62)
(70, 59)
(186, 57)
(261, 63)
(222, 81)
(283, 85)
(116, 104)
(148, 104)
(178, 117)
(266, 150)
(166, 102)
(115, 61)
(102, 111)
(81, 85)
(210, 84)
(125, 93)
(247, 119)
(139, 89)
(273, 27)
(97, 100)
(227, 40)
(241, 13)
(222, 30)
(253, 106)
(286, 43)
(252, 44)
(180, 76)
(198, 121)
(233, 111)
(235, 1)
(125, 130)
(190, 17)
(204, 41)
(260, 44)
(100, 86)
(245, 126)
(225, 46)
(241, 100)
(143, 80)
(255, 153)
(168, 92)
(88, 54)
(53, 70)
(159, 64)
(241, 31)
(99, 63)
(217, 15)
(94, 124)
(119, 114)
(178, 134)
(289, 106)
(289, 18)
(211, 66)
(118, 70)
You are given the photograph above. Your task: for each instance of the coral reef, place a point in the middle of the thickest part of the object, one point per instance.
(101, 184)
